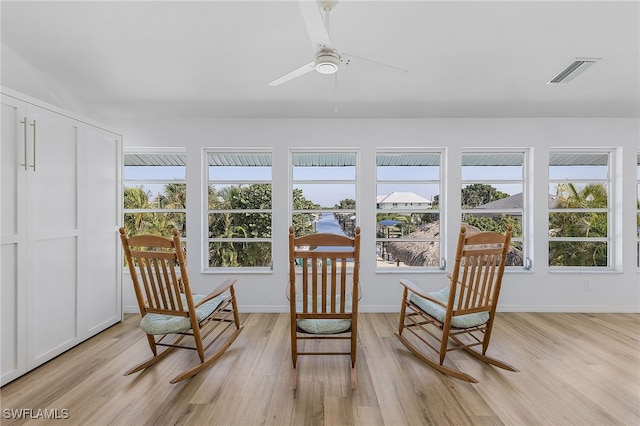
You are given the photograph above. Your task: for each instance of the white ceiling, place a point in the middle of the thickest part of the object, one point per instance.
(215, 58)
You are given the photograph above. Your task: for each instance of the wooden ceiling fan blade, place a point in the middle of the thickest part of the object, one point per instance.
(308, 67)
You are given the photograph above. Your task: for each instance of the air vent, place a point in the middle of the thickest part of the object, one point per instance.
(572, 71)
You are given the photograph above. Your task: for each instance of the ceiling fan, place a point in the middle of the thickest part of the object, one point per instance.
(327, 59)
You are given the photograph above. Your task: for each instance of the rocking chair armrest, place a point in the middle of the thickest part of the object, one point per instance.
(409, 285)
(226, 285)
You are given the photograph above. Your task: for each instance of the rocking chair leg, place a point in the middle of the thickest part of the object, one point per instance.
(294, 378)
(354, 381)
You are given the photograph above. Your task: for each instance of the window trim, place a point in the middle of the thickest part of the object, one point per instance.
(324, 150)
(441, 153)
(525, 211)
(204, 246)
(153, 150)
(610, 239)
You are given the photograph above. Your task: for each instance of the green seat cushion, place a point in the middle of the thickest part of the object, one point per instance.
(438, 312)
(167, 324)
(323, 326)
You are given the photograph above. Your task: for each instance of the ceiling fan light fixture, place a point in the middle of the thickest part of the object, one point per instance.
(327, 61)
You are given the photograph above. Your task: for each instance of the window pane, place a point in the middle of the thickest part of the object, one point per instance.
(577, 253)
(240, 173)
(324, 173)
(492, 166)
(578, 195)
(321, 182)
(153, 182)
(396, 254)
(154, 172)
(578, 199)
(239, 194)
(589, 225)
(407, 202)
(155, 223)
(239, 254)
(492, 196)
(326, 195)
(485, 196)
(495, 222)
(407, 195)
(576, 166)
(408, 172)
(240, 197)
(240, 225)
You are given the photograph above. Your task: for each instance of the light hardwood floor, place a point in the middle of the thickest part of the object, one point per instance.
(575, 369)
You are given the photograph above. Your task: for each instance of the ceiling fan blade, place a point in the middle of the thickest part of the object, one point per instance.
(293, 74)
(315, 25)
(347, 57)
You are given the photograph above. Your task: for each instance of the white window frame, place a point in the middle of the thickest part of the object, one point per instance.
(355, 181)
(609, 184)
(638, 212)
(206, 268)
(409, 209)
(137, 182)
(522, 211)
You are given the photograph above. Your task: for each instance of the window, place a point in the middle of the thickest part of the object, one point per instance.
(579, 188)
(638, 212)
(155, 199)
(493, 196)
(239, 209)
(407, 209)
(323, 195)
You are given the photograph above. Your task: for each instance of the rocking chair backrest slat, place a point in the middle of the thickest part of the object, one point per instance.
(157, 266)
(478, 271)
(324, 274)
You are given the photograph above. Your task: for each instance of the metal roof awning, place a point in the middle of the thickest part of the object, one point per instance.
(320, 159)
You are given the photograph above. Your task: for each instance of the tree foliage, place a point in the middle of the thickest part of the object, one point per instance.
(146, 222)
(303, 222)
(478, 194)
(578, 224)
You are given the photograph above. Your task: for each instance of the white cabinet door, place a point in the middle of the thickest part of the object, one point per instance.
(13, 241)
(53, 232)
(101, 214)
(61, 258)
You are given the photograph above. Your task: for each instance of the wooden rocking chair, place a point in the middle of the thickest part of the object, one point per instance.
(169, 310)
(460, 316)
(323, 301)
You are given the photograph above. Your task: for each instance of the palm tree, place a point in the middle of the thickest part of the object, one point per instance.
(578, 224)
(137, 198)
(174, 197)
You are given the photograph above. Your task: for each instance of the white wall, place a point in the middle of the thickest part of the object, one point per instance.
(21, 75)
(535, 290)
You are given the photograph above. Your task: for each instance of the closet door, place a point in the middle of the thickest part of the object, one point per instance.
(101, 257)
(13, 240)
(53, 232)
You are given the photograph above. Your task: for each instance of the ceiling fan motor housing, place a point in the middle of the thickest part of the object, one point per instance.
(327, 61)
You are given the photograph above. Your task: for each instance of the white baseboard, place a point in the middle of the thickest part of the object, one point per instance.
(133, 309)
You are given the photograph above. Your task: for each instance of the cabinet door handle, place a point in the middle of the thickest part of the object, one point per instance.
(24, 129)
(33, 166)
